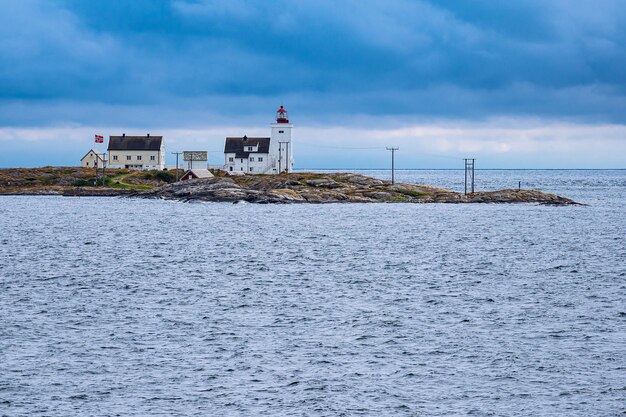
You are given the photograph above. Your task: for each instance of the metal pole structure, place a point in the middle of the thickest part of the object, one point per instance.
(177, 153)
(465, 170)
(393, 167)
(469, 170)
(473, 172)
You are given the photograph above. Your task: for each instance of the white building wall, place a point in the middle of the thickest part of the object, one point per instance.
(281, 146)
(136, 159)
(258, 167)
(195, 164)
(89, 160)
(250, 165)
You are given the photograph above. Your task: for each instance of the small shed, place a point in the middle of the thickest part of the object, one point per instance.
(196, 173)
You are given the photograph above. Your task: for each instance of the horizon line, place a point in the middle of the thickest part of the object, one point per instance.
(374, 169)
(461, 169)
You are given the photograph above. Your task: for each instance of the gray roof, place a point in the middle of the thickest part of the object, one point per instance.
(236, 146)
(135, 143)
(97, 152)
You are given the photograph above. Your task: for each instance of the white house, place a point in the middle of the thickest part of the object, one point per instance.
(262, 155)
(136, 152)
(92, 159)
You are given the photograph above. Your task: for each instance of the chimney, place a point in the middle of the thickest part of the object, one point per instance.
(245, 138)
(123, 135)
(148, 134)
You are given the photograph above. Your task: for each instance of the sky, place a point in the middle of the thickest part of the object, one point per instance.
(516, 84)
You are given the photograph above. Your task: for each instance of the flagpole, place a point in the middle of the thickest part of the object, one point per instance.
(98, 139)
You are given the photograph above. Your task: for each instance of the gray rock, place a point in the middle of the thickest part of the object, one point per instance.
(332, 188)
(323, 182)
(378, 195)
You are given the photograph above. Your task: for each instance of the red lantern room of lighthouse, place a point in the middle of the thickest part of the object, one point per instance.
(281, 115)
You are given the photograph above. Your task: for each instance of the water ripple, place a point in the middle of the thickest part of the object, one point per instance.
(137, 307)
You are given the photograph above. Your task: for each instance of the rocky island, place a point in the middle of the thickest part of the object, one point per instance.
(332, 188)
(303, 187)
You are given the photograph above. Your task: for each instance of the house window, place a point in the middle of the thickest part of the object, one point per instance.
(231, 159)
(152, 158)
(260, 159)
(139, 157)
(128, 157)
(87, 163)
(242, 162)
(251, 169)
(281, 131)
(115, 157)
(241, 168)
(252, 159)
(250, 148)
(231, 168)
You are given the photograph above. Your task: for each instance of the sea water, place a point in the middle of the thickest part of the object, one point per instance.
(112, 306)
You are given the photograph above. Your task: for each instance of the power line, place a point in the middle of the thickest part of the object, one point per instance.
(440, 156)
(340, 147)
(376, 147)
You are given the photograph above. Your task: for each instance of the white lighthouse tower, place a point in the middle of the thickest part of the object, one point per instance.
(280, 143)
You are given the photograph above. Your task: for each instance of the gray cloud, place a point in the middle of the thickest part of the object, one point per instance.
(185, 61)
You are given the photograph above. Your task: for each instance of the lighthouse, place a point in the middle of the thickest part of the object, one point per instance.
(261, 155)
(280, 144)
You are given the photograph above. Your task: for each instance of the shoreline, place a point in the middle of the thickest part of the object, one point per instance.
(292, 188)
(323, 188)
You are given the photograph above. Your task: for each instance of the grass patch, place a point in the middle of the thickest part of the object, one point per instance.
(114, 181)
(50, 180)
(84, 183)
(165, 176)
(412, 193)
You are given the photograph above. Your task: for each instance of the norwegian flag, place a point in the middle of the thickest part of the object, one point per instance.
(99, 139)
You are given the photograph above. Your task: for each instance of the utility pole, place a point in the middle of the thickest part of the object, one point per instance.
(393, 168)
(280, 153)
(177, 153)
(469, 172)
